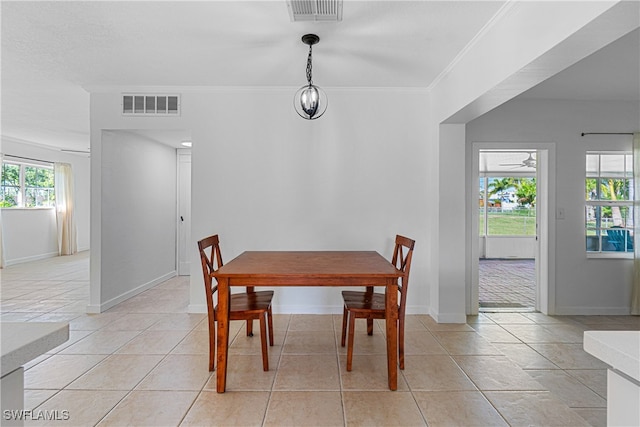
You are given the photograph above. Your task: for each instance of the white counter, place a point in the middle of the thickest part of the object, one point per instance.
(22, 342)
(621, 351)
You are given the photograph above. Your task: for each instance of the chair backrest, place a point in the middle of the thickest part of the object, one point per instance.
(211, 262)
(402, 254)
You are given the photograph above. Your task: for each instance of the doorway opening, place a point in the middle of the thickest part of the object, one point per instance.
(507, 229)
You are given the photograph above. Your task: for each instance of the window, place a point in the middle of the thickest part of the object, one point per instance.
(608, 203)
(26, 185)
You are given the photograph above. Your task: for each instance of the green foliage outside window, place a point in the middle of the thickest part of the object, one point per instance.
(26, 186)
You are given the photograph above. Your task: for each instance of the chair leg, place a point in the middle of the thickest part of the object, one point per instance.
(270, 320)
(212, 345)
(345, 315)
(401, 342)
(352, 328)
(250, 327)
(369, 326)
(263, 341)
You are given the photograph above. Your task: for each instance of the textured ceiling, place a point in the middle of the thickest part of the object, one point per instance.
(53, 51)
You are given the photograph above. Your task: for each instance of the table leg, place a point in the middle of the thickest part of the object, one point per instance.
(391, 314)
(223, 333)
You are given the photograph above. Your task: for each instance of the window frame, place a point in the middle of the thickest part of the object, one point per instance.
(22, 187)
(597, 204)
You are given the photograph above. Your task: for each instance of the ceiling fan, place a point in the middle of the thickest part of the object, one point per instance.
(529, 162)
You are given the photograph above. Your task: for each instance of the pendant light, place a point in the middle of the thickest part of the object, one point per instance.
(310, 101)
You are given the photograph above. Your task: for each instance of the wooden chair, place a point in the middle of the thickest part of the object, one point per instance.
(370, 305)
(243, 306)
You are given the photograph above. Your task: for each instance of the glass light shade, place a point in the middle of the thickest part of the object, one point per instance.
(310, 102)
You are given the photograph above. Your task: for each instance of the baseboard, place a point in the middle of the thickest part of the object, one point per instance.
(93, 308)
(593, 311)
(10, 262)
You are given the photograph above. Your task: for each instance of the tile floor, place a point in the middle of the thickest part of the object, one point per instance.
(144, 363)
(507, 283)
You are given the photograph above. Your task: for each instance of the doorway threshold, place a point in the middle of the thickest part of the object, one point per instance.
(502, 309)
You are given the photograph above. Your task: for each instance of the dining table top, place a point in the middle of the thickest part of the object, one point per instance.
(289, 267)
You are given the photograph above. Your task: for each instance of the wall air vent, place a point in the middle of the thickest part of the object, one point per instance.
(150, 105)
(315, 10)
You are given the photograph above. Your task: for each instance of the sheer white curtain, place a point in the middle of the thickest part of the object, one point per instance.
(67, 234)
(635, 290)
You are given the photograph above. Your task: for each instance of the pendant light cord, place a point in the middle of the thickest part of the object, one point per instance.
(309, 67)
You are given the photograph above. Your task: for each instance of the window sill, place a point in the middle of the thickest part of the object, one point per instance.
(609, 255)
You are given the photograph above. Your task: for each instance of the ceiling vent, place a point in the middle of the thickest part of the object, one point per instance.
(150, 105)
(315, 10)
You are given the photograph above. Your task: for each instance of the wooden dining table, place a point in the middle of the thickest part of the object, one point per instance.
(307, 268)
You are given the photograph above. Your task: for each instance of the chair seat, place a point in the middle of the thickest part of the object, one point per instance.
(243, 304)
(356, 301)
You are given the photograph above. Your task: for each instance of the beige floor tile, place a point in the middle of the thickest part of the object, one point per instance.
(178, 372)
(133, 322)
(496, 373)
(150, 408)
(512, 318)
(281, 321)
(101, 342)
(530, 333)
(457, 408)
(307, 372)
(153, 342)
(117, 372)
(465, 343)
(311, 322)
(196, 342)
(33, 398)
(528, 408)
(413, 322)
(178, 322)
(363, 343)
(544, 319)
(242, 408)
(310, 342)
(568, 389)
(421, 342)
(93, 322)
(58, 371)
(307, 408)
(595, 379)
(245, 373)
(78, 408)
(242, 344)
(495, 333)
(524, 356)
(435, 373)
(381, 408)
(369, 372)
(569, 356)
(566, 333)
(596, 417)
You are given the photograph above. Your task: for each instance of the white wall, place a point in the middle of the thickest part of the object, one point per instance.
(138, 216)
(583, 286)
(30, 234)
(265, 179)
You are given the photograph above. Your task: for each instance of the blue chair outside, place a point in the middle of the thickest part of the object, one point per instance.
(618, 237)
